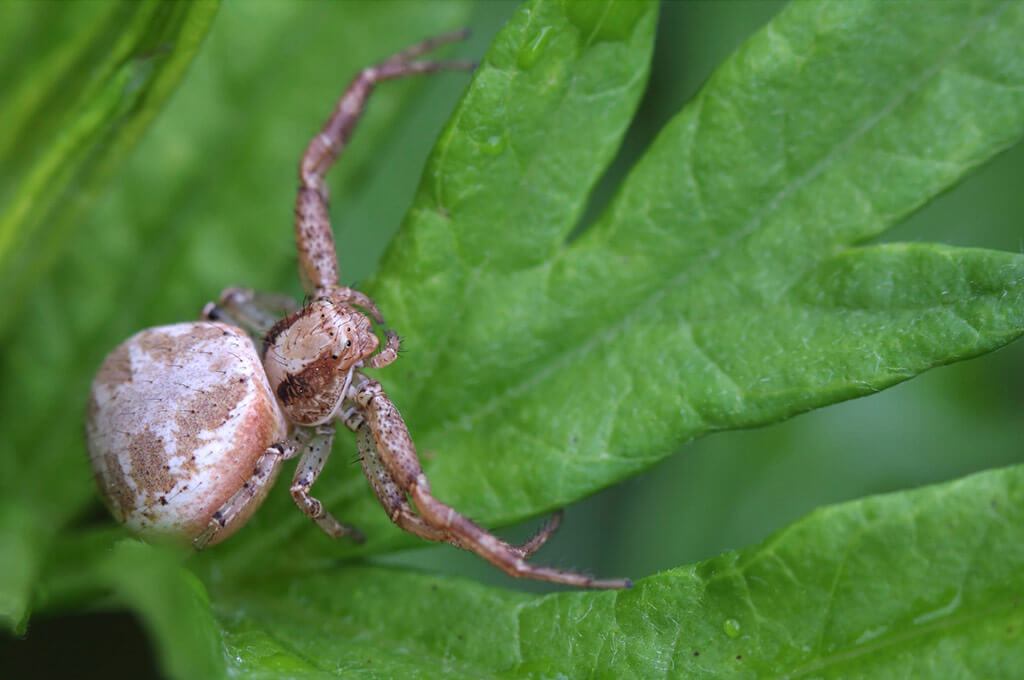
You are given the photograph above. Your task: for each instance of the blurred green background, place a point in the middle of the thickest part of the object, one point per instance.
(205, 201)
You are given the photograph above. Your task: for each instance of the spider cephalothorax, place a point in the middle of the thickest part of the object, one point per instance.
(188, 426)
(310, 354)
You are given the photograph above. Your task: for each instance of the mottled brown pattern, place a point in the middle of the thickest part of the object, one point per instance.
(292, 389)
(119, 496)
(207, 410)
(116, 369)
(147, 453)
(212, 398)
(171, 349)
(322, 371)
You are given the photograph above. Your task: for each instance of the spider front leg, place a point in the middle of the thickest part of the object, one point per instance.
(318, 264)
(391, 497)
(251, 310)
(401, 512)
(318, 448)
(397, 457)
(246, 499)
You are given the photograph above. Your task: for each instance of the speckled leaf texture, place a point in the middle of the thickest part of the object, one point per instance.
(738, 277)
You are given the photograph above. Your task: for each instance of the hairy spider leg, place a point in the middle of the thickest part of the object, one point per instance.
(311, 464)
(315, 444)
(541, 535)
(386, 355)
(396, 504)
(250, 310)
(350, 296)
(318, 263)
(264, 473)
(391, 497)
(397, 455)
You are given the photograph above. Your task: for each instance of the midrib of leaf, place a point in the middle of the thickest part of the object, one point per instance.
(605, 334)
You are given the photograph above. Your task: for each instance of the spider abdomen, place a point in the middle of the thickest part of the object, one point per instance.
(178, 416)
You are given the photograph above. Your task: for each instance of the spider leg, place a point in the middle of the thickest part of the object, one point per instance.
(318, 264)
(398, 456)
(351, 296)
(401, 512)
(429, 45)
(249, 309)
(391, 497)
(386, 355)
(542, 535)
(317, 449)
(263, 475)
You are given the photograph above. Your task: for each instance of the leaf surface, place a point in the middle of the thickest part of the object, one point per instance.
(896, 586)
(727, 285)
(732, 282)
(82, 93)
(696, 301)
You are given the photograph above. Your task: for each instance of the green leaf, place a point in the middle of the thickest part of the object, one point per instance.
(19, 564)
(78, 103)
(173, 605)
(685, 309)
(720, 289)
(903, 585)
(170, 600)
(725, 286)
(83, 84)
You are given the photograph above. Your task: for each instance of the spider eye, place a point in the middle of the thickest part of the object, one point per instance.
(348, 343)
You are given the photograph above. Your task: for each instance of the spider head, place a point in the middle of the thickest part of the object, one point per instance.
(309, 356)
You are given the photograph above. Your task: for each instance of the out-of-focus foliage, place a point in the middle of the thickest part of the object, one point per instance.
(717, 290)
(82, 83)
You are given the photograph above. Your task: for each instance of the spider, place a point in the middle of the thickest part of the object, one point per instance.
(188, 425)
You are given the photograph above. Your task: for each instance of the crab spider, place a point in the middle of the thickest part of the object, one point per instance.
(189, 424)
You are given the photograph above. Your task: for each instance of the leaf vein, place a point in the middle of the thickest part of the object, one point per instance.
(558, 361)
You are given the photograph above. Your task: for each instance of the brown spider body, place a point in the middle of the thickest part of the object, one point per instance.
(188, 426)
(178, 416)
(309, 356)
